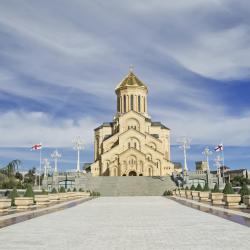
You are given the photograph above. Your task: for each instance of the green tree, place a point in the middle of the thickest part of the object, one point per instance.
(62, 189)
(192, 187)
(186, 188)
(74, 190)
(44, 192)
(228, 189)
(30, 177)
(11, 168)
(216, 189)
(29, 192)
(244, 190)
(19, 176)
(12, 195)
(198, 188)
(206, 187)
(53, 191)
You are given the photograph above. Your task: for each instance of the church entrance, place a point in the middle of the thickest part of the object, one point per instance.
(132, 173)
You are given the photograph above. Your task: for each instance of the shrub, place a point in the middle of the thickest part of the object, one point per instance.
(206, 187)
(186, 188)
(244, 190)
(44, 192)
(168, 193)
(53, 191)
(192, 187)
(81, 190)
(12, 195)
(198, 188)
(95, 193)
(29, 192)
(74, 190)
(216, 189)
(62, 190)
(228, 189)
(68, 190)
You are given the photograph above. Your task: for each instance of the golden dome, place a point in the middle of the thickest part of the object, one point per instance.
(131, 80)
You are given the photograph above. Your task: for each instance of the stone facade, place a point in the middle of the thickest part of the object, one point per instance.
(132, 144)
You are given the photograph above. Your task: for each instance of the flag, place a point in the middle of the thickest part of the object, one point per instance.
(36, 147)
(219, 148)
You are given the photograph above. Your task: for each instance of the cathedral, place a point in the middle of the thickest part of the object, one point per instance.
(132, 144)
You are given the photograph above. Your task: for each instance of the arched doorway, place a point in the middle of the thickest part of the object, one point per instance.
(132, 173)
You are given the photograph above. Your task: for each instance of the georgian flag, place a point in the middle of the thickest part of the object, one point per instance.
(36, 147)
(219, 148)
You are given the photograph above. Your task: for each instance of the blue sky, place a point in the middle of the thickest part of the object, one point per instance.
(60, 62)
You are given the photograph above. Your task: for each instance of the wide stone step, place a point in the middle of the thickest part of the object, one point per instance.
(129, 185)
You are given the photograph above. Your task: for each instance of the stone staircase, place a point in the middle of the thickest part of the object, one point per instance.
(128, 185)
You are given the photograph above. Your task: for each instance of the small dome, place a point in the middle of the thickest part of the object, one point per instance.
(130, 80)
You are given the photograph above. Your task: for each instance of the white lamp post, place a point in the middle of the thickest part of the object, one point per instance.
(218, 160)
(55, 155)
(207, 153)
(78, 145)
(46, 165)
(184, 145)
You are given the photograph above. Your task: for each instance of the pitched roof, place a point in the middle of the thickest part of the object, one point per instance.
(131, 80)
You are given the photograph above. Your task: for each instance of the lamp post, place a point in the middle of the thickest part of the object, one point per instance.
(207, 153)
(218, 161)
(55, 155)
(46, 165)
(78, 145)
(184, 145)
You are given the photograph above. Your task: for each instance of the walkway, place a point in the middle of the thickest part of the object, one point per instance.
(126, 223)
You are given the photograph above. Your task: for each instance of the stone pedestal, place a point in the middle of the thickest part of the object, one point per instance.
(195, 195)
(5, 204)
(217, 198)
(24, 202)
(232, 200)
(183, 193)
(188, 194)
(54, 197)
(42, 200)
(246, 200)
(204, 196)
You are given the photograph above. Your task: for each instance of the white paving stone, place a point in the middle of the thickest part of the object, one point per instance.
(126, 223)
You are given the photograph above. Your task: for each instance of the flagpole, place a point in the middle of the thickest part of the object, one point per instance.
(223, 162)
(39, 180)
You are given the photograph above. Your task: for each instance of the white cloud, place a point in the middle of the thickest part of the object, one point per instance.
(207, 127)
(25, 129)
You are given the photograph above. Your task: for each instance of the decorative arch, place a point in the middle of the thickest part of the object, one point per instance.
(150, 171)
(133, 123)
(152, 145)
(149, 157)
(133, 142)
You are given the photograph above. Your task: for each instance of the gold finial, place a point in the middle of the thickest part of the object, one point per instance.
(131, 68)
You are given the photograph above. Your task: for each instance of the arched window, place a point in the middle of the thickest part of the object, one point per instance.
(129, 145)
(139, 103)
(132, 102)
(135, 144)
(124, 103)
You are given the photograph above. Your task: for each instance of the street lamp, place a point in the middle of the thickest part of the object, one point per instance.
(46, 165)
(55, 155)
(78, 145)
(184, 145)
(218, 160)
(207, 153)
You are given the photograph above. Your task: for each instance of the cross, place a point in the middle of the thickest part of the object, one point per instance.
(131, 68)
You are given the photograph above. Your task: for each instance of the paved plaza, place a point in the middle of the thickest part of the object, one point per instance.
(126, 223)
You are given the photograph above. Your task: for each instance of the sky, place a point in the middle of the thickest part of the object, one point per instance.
(60, 62)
